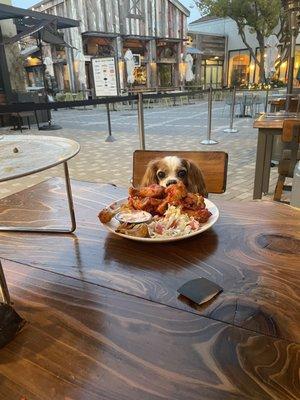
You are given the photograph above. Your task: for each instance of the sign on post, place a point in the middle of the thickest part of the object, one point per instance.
(105, 76)
(105, 84)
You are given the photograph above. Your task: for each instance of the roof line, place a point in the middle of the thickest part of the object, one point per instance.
(181, 7)
(24, 12)
(202, 20)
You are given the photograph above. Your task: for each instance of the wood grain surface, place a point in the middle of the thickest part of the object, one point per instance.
(271, 123)
(252, 252)
(87, 342)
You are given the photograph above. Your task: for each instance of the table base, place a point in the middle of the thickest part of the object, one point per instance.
(51, 230)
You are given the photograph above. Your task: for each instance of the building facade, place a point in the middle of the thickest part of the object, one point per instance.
(239, 67)
(154, 30)
(209, 62)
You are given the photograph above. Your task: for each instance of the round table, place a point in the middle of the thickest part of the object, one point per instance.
(26, 155)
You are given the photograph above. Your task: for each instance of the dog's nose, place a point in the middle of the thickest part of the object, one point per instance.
(171, 182)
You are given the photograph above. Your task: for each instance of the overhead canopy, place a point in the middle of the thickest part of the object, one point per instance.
(193, 50)
(9, 12)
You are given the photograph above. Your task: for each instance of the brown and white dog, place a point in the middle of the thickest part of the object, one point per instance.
(172, 169)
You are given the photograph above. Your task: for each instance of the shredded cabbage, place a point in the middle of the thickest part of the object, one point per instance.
(172, 224)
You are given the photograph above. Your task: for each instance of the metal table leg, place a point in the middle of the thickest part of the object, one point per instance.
(259, 166)
(267, 163)
(51, 230)
(4, 293)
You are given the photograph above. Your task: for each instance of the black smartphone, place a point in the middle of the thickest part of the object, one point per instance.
(199, 290)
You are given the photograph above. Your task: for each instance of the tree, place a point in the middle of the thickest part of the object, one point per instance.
(262, 17)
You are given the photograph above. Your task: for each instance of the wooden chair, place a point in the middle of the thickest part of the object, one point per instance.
(213, 165)
(286, 166)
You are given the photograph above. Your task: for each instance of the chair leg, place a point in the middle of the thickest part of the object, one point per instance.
(279, 188)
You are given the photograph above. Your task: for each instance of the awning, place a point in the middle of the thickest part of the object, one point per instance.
(99, 34)
(44, 30)
(193, 50)
(9, 12)
(29, 50)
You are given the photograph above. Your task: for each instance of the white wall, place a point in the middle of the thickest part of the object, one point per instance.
(227, 27)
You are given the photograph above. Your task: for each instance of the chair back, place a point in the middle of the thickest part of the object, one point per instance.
(290, 130)
(213, 165)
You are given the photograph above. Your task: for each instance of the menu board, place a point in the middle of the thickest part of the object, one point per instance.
(105, 78)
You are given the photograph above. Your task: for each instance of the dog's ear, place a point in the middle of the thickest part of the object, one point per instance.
(195, 181)
(150, 175)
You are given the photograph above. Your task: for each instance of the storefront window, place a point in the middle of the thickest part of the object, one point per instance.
(139, 50)
(140, 75)
(238, 74)
(212, 73)
(165, 73)
(34, 76)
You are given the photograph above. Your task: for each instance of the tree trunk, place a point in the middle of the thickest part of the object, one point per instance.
(261, 42)
(262, 75)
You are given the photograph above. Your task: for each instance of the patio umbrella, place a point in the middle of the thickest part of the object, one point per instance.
(10, 322)
(80, 67)
(271, 55)
(193, 50)
(128, 57)
(189, 75)
(49, 65)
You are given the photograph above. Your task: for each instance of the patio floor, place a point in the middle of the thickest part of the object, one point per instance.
(178, 128)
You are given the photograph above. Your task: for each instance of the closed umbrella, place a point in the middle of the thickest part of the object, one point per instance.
(49, 65)
(189, 75)
(80, 64)
(128, 57)
(271, 55)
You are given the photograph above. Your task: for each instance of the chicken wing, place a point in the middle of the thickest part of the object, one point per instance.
(153, 191)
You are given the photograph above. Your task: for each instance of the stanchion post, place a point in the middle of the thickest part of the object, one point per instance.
(141, 121)
(110, 137)
(209, 140)
(267, 100)
(231, 129)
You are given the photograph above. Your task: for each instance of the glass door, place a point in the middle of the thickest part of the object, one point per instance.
(165, 75)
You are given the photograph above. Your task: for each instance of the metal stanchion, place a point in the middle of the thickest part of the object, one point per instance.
(110, 137)
(209, 140)
(141, 122)
(231, 129)
(267, 101)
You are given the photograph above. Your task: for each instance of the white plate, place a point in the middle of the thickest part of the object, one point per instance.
(113, 224)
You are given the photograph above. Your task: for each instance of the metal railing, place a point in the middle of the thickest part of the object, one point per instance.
(139, 98)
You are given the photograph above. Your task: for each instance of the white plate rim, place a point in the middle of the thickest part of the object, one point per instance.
(212, 220)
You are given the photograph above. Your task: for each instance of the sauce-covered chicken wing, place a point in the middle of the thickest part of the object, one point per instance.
(154, 191)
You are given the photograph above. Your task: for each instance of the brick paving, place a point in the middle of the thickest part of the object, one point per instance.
(178, 128)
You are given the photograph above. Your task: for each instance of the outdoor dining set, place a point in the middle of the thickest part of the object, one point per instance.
(97, 312)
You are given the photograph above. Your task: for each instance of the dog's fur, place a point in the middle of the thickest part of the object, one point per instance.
(172, 169)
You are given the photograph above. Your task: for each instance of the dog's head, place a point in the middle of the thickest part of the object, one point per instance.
(169, 170)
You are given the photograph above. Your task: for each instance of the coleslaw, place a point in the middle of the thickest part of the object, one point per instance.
(172, 224)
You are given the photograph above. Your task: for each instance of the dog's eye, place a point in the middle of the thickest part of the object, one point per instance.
(181, 173)
(161, 175)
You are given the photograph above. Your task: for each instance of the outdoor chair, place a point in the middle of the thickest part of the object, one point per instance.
(228, 102)
(60, 97)
(248, 103)
(257, 102)
(213, 165)
(290, 156)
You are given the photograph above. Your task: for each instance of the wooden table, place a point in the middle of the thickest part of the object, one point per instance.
(267, 129)
(105, 321)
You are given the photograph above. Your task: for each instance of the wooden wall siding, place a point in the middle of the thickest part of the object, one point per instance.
(159, 17)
